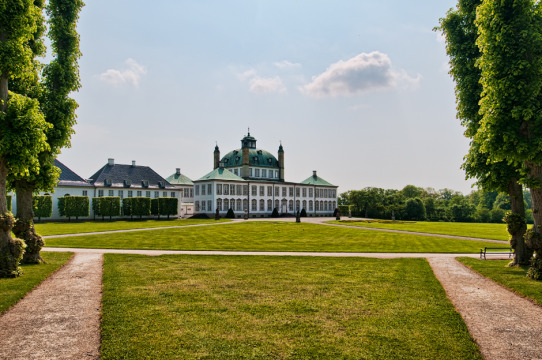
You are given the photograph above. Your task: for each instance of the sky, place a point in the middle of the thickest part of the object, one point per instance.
(357, 90)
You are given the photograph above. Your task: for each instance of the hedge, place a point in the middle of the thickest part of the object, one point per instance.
(344, 209)
(106, 206)
(136, 206)
(8, 198)
(43, 206)
(164, 206)
(69, 206)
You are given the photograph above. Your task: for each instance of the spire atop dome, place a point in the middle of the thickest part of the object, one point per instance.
(248, 141)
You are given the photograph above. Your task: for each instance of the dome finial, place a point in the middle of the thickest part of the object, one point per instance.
(248, 131)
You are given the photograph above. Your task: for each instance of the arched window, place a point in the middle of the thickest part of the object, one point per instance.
(291, 206)
(226, 204)
(269, 205)
(219, 204)
(304, 205)
(316, 207)
(321, 205)
(262, 205)
(239, 205)
(297, 205)
(254, 206)
(310, 205)
(245, 204)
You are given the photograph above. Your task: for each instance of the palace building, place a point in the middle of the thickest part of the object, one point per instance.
(251, 181)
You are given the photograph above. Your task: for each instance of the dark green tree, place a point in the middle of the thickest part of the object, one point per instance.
(414, 209)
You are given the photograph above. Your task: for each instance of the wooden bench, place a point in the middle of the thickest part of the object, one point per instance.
(496, 251)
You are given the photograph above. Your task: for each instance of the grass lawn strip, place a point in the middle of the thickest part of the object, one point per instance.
(271, 236)
(241, 307)
(61, 228)
(475, 230)
(13, 290)
(512, 278)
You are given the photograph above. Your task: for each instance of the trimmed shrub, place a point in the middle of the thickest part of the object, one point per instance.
(106, 206)
(303, 213)
(344, 209)
(8, 199)
(155, 207)
(230, 214)
(168, 206)
(73, 206)
(43, 206)
(136, 206)
(275, 213)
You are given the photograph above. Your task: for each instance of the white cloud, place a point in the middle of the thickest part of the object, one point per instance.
(285, 64)
(260, 85)
(360, 74)
(130, 74)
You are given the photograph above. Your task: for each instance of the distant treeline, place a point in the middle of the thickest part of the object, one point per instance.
(416, 203)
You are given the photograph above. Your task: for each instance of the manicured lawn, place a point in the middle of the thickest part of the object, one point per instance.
(12, 290)
(60, 228)
(477, 230)
(271, 236)
(241, 307)
(512, 278)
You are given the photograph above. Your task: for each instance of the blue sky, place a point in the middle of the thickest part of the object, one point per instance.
(357, 90)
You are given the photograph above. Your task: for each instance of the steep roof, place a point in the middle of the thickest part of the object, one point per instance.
(179, 179)
(257, 157)
(129, 176)
(221, 174)
(316, 180)
(68, 177)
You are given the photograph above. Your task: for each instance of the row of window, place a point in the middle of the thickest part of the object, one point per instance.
(259, 173)
(139, 193)
(284, 205)
(262, 190)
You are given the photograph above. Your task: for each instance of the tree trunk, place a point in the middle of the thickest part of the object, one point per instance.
(11, 250)
(517, 226)
(24, 225)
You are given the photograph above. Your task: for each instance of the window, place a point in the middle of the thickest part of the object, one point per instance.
(276, 174)
(264, 173)
(254, 191)
(305, 204)
(209, 205)
(130, 193)
(210, 189)
(284, 192)
(138, 192)
(291, 191)
(310, 205)
(164, 194)
(262, 190)
(269, 205)
(257, 173)
(310, 192)
(245, 189)
(245, 204)
(148, 194)
(254, 206)
(197, 190)
(156, 194)
(270, 174)
(173, 194)
(232, 189)
(185, 190)
(238, 189)
(316, 205)
(196, 204)
(219, 204)
(203, 206)
(110, 192)
(291, 205)
(239, 205)
(226, 204)
(100, 193)
(304, 192)
(226, 189)
(297, 192)
(277, 191)
(297, 205)
(235, 172)
(250, 172)
(219, 189)
(262, 205)
(203, 190)
(121, 194)
(191, 193)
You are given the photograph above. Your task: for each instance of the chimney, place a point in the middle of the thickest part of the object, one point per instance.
(133, 163)
(178, 171)
(111, 161)
(314, 173)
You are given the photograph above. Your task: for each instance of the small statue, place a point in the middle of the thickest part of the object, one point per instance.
(217, 214)
(297, 217)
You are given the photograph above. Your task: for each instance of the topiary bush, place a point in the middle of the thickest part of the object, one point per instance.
(136, 206)
(303, 213)
(275, 213)
(106, 206)
(43, 206)
(73, 206)
(168, 206)
(8, 199)
(230, 214)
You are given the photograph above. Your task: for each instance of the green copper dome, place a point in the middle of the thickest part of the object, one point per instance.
(260, 158)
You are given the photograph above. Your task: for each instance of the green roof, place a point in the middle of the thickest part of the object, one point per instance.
(258, 157)
(220, 174)
(316, 180)
(179, 179)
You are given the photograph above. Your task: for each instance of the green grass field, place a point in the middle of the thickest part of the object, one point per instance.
(240, 307)
(60, 228)
(476, 230)
(513, 278)
(271, 236)
(12, 290)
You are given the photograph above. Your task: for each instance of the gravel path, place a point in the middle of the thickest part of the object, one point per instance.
(504, 325)
(60, 319)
